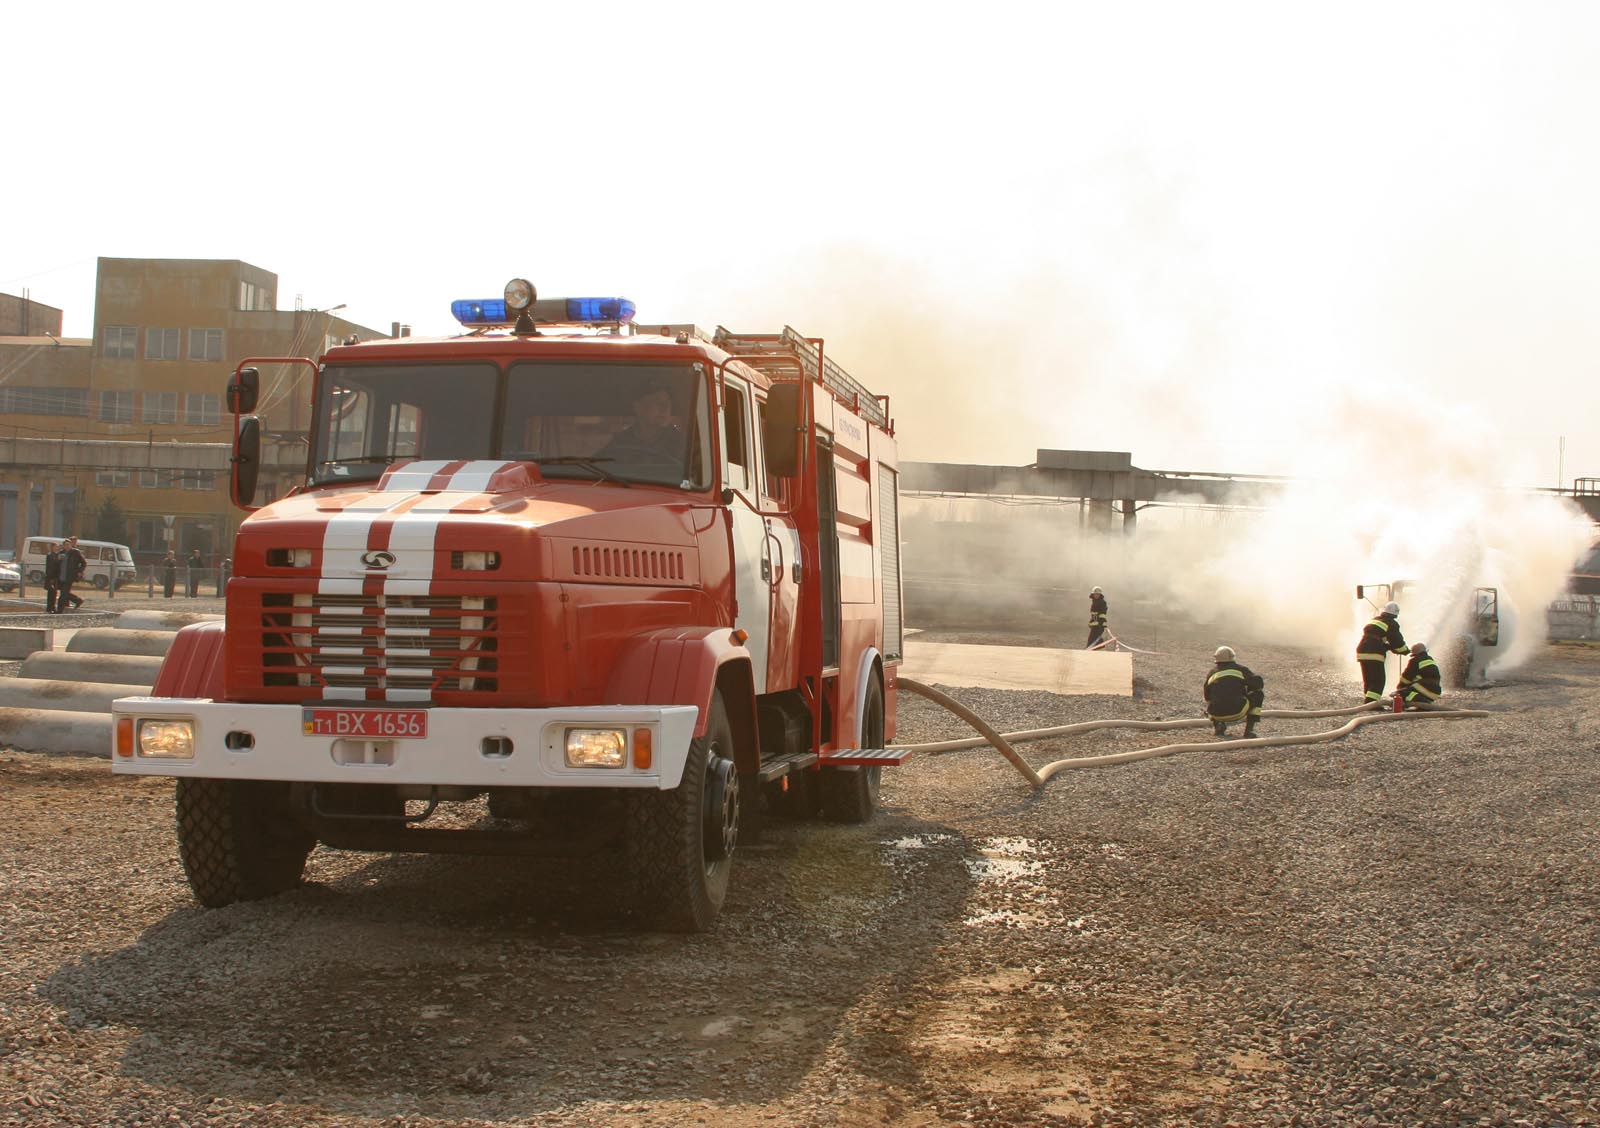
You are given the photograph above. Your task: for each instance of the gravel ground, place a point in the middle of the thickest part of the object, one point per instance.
(1402, 928)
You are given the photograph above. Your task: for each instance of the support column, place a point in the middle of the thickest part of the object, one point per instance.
(1130, 516)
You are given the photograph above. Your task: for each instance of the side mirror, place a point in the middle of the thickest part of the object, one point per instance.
(246, 461)
(243, 391)
(782, 425)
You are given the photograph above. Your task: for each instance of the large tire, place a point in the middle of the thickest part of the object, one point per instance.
(681, 842)
(101, 583)
(851, 794)
(238, 841)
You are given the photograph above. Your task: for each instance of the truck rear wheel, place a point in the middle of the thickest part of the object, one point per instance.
(681, 842)
(851, 794)
(238, 841)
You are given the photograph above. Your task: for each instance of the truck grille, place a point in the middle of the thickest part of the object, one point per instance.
(387, 647)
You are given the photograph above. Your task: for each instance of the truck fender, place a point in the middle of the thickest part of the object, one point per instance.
(194, 664)
(685, 666)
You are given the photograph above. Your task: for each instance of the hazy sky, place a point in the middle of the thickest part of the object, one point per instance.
(1213, 235)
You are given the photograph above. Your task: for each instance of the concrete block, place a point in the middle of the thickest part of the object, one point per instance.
(19, 642)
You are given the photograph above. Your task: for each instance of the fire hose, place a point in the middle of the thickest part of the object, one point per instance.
(1359, 715)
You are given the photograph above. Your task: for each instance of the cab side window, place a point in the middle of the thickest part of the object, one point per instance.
(772, 485)
(736, 448)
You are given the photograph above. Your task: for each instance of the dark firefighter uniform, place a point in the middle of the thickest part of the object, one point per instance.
(1234, 693)
(1421, 681)
(1097, 619)
(1381, 635)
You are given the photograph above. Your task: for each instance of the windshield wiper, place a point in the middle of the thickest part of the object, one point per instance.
(590, 464)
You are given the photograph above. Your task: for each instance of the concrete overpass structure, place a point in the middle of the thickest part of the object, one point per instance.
(1108, 485)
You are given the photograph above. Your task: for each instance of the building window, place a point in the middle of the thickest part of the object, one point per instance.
(44, 401)
(199, 479)
(113, 478)
(158, 479)
(122, 342)
(205, 344)
(203, 408)
(161, 344)
(116, 407)
(247, 295)
(147, 535)
(160, 407)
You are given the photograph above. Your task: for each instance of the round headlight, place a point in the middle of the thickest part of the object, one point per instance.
(519, 294)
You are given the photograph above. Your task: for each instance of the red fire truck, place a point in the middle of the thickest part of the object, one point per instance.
(561, 584)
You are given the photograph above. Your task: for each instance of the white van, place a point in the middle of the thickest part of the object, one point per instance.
(103, 559)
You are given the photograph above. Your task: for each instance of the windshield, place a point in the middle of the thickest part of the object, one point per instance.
(370, 416)
(634, 422)
(591, 421)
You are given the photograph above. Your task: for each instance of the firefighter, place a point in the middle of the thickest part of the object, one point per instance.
(1233, 693)
(1380, 636)
(1421, 683)
(1097, 617)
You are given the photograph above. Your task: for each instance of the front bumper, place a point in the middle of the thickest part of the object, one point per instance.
(464, 747)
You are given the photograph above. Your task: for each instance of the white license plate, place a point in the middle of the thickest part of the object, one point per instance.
(368, 724)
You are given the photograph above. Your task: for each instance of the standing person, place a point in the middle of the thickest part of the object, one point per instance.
(1422, 682)
(1381, 635)
(72, 566)
(1233, 693)
(223, 573)
(1097, 617)
(169, 572)
(52, 573)
(196, 565)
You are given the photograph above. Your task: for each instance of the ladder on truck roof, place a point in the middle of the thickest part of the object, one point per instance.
(845, 388)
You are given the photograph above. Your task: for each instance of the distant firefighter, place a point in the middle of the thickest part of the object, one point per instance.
(1421, 682)
(1097, 617)
(1233, 693)
(1381, 635)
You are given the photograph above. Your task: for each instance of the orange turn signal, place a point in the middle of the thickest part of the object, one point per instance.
(642, 748)
(125, 736)
(739, 635)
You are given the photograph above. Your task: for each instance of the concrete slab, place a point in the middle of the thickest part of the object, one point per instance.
(1073, 672)
(19, 642)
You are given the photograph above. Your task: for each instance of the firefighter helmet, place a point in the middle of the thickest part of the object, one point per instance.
(1420, 649)
(1224, 654)
(1095, 591)
(1391, 608)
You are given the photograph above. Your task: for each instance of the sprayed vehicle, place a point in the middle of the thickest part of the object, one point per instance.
(1466, 643)
(582, 585)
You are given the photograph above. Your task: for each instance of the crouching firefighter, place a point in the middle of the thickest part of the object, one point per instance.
(1381, 635)
(1421, 682)
(1233, 693)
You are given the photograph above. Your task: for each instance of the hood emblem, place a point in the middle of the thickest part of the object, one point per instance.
(377, 558)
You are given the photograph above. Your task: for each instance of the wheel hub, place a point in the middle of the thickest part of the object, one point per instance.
(721, 830)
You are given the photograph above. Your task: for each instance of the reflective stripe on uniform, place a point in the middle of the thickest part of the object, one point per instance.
(1239, 716)
(1364, 656)
(1215, 674)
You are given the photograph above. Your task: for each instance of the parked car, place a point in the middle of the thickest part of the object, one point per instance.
(10, 577)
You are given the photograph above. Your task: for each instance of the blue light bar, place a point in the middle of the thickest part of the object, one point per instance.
(548, 311)
(489, 312)
(583, 310)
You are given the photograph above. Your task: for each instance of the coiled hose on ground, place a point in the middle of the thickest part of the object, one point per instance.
(1359, 715)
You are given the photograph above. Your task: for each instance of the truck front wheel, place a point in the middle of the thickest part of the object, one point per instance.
(681, 842)
(238, 841)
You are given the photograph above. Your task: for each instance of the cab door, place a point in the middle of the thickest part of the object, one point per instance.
(752, 547)
(784, 574)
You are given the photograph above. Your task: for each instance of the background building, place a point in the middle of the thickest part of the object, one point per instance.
(110, 438)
